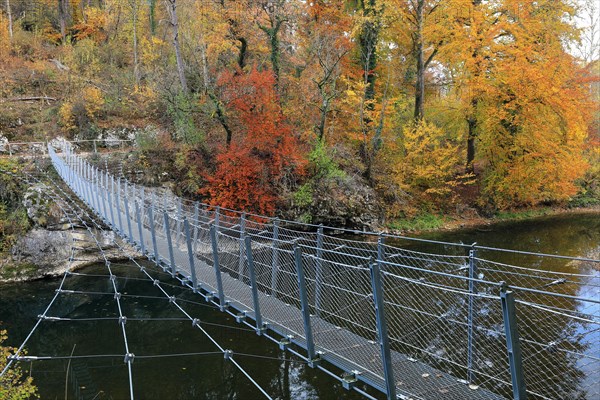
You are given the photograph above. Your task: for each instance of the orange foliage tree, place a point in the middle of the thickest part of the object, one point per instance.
(265, 157)
(536, 124)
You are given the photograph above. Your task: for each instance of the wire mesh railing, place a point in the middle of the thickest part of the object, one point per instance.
(408, 323)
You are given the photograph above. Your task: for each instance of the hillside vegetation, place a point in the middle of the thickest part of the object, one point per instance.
(340, 111)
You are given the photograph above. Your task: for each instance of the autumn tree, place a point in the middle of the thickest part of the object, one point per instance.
(473, 32)
(326, 48)
(275, 16)
(265, 157)
(536, 124)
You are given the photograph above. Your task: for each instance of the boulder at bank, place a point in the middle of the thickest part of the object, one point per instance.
(41, 252)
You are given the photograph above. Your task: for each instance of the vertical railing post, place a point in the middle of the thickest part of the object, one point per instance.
(179, 220)
(90, 187)
(143, 202)
(217, 218)
(242, 251)
(97, 190)
(215, 251)
(310, 344)
(319, 271)
(196, 224)
(111, 201)
(104, 191)
(119, 208)
(94, 190)
(128, 219)
(153, 234)
(380, 249)
(95, 148)
(275, 258)
(471, 315)
(110, 206)
(169, 244)
(188, 240)
(204, 216)
(384, 344)
(88, 184)
(253, 285)
(512, 342)
(138, 215)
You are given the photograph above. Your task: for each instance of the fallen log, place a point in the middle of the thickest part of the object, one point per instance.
(32, 98)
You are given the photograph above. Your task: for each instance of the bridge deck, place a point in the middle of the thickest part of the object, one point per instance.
(339, 346)
(416, 379)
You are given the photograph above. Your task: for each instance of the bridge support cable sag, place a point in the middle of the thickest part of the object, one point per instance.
(43, 316)
(129, 357)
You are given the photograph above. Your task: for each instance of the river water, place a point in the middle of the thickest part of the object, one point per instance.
(198, 371)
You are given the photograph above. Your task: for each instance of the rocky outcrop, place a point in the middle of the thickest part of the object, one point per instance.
(340, 202)
(43, 252)
(58, 240)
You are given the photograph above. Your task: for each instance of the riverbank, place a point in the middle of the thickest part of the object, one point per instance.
(428, 223)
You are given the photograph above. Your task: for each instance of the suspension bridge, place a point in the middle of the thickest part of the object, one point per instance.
(402, 323)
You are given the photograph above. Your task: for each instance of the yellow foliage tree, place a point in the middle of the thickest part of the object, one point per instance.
(66, 117)
(4, 37)
(13, 386)
(534, 118)
(94, 101)
(425, 163)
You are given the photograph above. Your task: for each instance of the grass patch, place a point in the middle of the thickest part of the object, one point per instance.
(18, 270)
(518, 215)
(423, 222)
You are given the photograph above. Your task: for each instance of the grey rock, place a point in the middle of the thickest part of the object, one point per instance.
(48, 253)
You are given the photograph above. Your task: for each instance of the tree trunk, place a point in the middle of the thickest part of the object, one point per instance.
(9, 13)
(273, 35)
(136, 62)
(472, 123)
(243, 51)
(204, 59)
(368, 39)
(418, 48)
(221, 117)
(472, 118)
(172, 8)
(368, 55)
(152, 16)
(62, 19)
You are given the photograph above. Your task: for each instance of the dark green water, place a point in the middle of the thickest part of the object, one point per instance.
(181, 377)
(209, 376)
